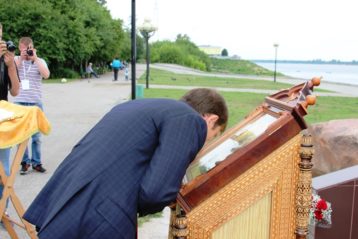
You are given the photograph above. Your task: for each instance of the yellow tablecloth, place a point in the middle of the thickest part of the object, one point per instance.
(18, 123)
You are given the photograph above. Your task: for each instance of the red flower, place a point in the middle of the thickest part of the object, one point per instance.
(318, 215)
(321, 204)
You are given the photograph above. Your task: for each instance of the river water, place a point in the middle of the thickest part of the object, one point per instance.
(344, 74)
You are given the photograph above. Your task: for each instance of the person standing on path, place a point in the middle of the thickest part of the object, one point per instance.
(32, 70)
(116, 65)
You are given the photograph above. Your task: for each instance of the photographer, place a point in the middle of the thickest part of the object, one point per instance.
(9, 81)
(32, 70)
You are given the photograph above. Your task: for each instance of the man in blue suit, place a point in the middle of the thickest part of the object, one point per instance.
(132, 162)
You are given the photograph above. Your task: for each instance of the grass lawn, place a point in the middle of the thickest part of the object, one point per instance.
(240, 67)
(57, 80)
(161, 77)
(241, 104)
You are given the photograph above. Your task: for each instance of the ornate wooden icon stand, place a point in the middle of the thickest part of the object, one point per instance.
(255, 180)
(16, 127)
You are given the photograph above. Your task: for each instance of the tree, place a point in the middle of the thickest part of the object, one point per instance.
(102, 2)
(67, 33)
(224, 52)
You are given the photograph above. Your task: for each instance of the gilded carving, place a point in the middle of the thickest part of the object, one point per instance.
(276, 174)
(304, 191)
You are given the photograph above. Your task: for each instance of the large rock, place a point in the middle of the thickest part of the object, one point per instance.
(336, 145)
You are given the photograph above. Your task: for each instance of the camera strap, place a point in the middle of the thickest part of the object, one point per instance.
(2, 70)
(26, 82)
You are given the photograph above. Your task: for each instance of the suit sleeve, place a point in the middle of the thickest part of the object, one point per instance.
(180, 139)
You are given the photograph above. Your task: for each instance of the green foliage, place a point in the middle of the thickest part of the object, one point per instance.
(182, 52)
(65, 72)
(67, 34)
(142, 220)
(224, 52)
(167, 52)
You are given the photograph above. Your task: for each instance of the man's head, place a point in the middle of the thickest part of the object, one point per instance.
(25, 42)
(26, 45)
(212, 106)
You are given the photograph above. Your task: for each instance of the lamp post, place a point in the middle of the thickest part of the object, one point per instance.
(274, 74)
(147, 30)
(133, 50)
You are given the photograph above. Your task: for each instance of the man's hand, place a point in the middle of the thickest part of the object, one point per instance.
(9, 59)
(34, 55)
(3, 48)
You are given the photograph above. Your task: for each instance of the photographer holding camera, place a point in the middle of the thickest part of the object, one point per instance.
(32, 70)
(9, 82)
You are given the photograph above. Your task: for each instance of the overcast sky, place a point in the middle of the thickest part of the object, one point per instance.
(304, 29)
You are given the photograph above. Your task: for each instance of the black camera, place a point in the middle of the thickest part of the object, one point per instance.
(29, 52)
(10, 46)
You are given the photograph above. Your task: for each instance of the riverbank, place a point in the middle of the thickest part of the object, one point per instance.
(338, 89)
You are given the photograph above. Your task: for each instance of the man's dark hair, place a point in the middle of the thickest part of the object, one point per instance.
(208, 101)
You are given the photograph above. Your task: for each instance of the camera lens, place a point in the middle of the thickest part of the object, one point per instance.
(29, 52)
(10, 46)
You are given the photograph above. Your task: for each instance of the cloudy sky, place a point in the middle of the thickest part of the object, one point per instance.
(304, 29)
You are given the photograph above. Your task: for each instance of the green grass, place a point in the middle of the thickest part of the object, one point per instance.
(142, 220)
(57, 80)
(161, 77)
(240, 67)
(240, 104)
(332, 108)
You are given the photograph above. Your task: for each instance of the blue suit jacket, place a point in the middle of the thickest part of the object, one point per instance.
(131, 162)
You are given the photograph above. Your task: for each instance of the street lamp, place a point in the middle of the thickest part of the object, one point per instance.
(274, 74)
(133, 51)
(147, 30)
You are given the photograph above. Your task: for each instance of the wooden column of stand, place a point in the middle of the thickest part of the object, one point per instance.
(304, 188)
(178, 228)
(9, 193)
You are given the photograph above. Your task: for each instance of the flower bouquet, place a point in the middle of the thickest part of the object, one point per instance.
(320, 212)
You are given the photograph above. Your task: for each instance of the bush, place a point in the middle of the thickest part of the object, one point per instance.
(62, 72)
(181, 52)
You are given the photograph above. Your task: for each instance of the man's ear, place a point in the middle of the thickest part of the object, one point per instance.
(211, 119)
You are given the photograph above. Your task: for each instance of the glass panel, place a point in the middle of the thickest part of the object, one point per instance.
(240, 138)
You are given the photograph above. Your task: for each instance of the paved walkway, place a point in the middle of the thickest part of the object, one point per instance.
(73, 108)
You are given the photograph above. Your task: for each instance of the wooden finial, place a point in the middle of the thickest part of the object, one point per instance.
(316, 81)
(311, 99)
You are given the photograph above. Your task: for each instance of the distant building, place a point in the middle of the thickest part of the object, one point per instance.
(211, 50)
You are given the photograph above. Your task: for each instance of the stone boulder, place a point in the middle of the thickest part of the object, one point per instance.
(335, 144)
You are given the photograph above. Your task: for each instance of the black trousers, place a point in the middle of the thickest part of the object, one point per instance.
(115, 74)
